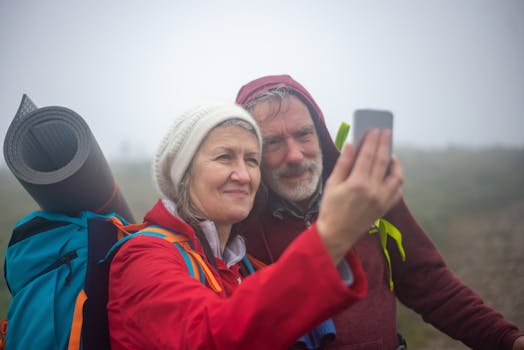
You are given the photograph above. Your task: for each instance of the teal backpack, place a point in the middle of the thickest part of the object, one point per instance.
(57, 268)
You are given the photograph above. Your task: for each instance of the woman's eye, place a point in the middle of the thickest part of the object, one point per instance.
(253, 161)
(224, 157)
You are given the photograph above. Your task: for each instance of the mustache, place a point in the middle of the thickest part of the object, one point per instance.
(297, 169)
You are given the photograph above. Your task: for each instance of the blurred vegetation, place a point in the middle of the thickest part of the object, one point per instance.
(471, 202)
(441, 185)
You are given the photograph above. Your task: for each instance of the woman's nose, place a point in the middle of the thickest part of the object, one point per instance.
(241, 173)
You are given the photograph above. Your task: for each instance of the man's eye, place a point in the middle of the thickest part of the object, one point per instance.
(305, 135)
(272, 143)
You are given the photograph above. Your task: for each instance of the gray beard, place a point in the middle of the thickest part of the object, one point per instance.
(301, 190)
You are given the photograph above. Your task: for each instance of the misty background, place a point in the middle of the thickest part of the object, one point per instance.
(451, 71)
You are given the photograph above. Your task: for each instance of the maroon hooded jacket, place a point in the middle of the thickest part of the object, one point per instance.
(423, 282)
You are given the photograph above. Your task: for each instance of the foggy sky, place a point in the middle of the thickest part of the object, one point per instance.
(451, 71)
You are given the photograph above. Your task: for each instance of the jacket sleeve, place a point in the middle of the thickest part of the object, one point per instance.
(154, 303)
(425, 284)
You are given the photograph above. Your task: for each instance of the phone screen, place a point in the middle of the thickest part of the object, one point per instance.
(366, 119)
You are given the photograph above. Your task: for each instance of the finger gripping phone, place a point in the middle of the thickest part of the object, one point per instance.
(366, 119)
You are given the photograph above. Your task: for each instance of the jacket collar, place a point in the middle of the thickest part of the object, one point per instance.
(164, 214)
(278, 207)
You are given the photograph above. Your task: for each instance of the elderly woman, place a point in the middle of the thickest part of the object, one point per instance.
(207, 170)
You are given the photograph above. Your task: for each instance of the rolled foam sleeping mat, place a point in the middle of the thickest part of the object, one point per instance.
(56, 158)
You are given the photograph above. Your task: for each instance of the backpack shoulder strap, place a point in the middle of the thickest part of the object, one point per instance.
(89, 327)
(249, 265)
(194, 261)
(257, 264)
(75, 335)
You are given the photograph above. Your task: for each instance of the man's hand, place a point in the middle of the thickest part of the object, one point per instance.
(358, 192)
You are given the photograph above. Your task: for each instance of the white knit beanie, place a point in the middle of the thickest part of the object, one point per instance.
(183, 139)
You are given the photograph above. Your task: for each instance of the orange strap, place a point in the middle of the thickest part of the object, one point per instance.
(213, 283)
(169, 236)
(186, 247)
(126, 229)
(76, 325)
(257, 264)
(193, 255)
(106, 203)
(173, 238)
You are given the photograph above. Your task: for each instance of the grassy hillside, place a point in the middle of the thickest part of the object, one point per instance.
(470, 202)
(472, 205)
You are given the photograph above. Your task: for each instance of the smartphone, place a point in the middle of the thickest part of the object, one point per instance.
(366, 119)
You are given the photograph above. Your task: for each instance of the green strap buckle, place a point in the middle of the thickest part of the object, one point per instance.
(385, 229)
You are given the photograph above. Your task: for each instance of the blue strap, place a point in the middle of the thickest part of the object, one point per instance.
(248, 264)
(305, 342)
(125, 239)
(186, 259)
(115, 246)
(325, 332)
(182, 251)
(202, 274)
(317, 338)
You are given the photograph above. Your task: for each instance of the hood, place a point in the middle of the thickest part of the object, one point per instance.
(258, 86)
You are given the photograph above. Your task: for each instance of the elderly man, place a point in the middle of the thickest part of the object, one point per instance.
(299, 154)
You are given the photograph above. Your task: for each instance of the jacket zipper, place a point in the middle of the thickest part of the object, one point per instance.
(64, 260)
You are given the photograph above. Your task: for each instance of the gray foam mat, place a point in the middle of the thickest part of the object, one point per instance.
(56, 158)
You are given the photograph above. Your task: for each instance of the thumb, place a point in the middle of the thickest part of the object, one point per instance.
(344, 164)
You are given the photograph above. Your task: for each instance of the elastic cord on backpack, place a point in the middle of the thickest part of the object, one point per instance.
(76, 325)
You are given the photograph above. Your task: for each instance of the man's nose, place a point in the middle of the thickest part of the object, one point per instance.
(294, 152)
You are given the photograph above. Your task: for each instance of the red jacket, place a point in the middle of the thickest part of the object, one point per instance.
(155, 304)
(423, 282)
